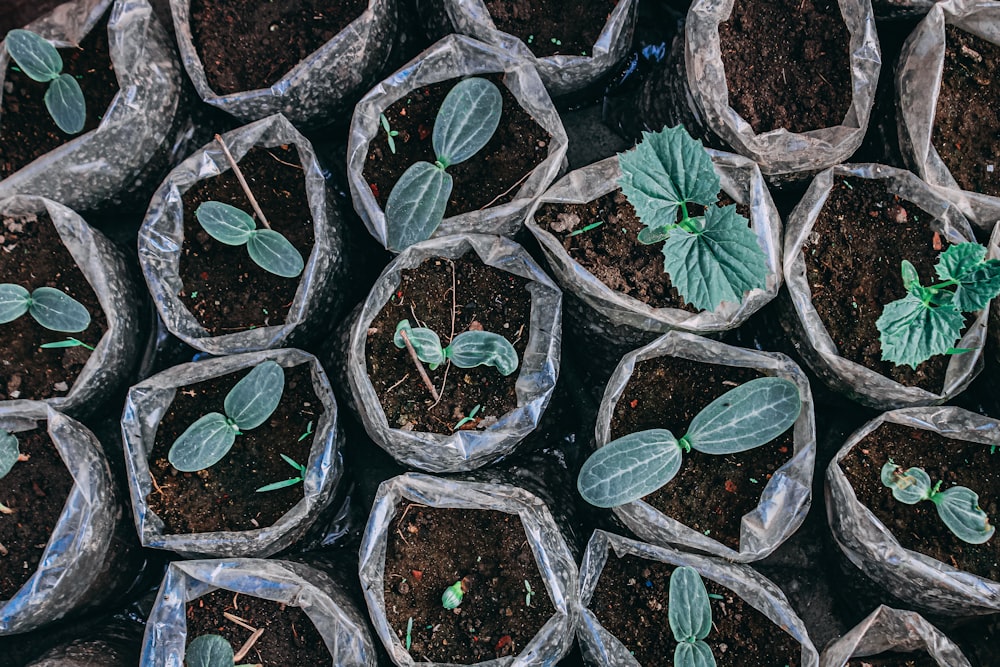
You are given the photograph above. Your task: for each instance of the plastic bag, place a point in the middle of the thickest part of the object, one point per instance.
(561, 74)
(600, 647)
(785, 500)
(341, 625)
(924, 582)
(888, 629)
(161, 239)
(555, 561)
(84, 562)
(810, 334)
(918, 84)
(780, 151)
(537, 373)
(110, 365)
(98, 165)
(316, 90)
(452, 57)
(149, 400)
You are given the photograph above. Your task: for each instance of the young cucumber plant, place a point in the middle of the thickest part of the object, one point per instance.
(468, 349)
(269, 249)
(689, 612)
(40, 61)
(710, 258)
(638, 464)
(53, 309)
(211, 651)
(958, 506)
(465, 123)
(248, 405)
(928, 320)
(288, 482)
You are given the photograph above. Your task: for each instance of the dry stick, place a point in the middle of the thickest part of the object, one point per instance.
(419, 364)
(243, 181)
(239, 621)
(447, 367)
(507, 191)
(242, 653)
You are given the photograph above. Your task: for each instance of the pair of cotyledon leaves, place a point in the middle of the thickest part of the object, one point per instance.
(689, 612)
(40, 61)
(958, 506)
(52, 308)
(638, 464)
(467, 350)
(268, 248)
(9, 452)
(465, 123)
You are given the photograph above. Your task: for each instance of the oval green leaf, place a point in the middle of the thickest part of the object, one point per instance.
(9, 452)
(14, 302)
(693, 654)
(66, 105)
(203, 444)
(209, 651)
(58, 311)
(629, 468)
(748, 416)
(224, 223)
(424, 341)
(689, 611)
(959, 508)
(909, 486)
(274, 253)
(416, 205)
(254, 398)
(467, 120)
(482, 348)
(34, 54)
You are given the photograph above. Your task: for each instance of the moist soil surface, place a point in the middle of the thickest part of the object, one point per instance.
(247, 50)
(631, 602)
(289, 637)
(27, 131)
(224, 496)
(224, 289)
(36, 491)
(33, 256)
(487, 550)
(894, 660)
(710, 493)
(857, 245)
(967, 119)
(918, 527)
(484, 297)
(787, 63)
(491, 177)
(553, 27)
(612, 253)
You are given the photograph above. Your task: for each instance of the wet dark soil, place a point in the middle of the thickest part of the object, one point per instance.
(553, 27)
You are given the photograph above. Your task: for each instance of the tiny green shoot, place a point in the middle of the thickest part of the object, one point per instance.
(467, 350)
(288, 482)
(586, 228)
(689, 613)
(309, 431)
(69, 342)
(9, 452)
(40, 61)
(390, 134)
(409, 633)
(468, 419)
(527, 593)
(211, 651)
(452, 596)
(53, 309)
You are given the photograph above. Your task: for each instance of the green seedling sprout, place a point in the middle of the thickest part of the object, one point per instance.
(467, 350)
(468, 419)
(711, 258)
(211, 651)
(248, 405)
(288, 482)
(40, 61)
(409, 633)
(452, 596)
(689, 613)
(69, 342)
(390, 134)
(309, 431)
(527, 593)
(465, 123)
(53, 309)
(638, 464)
(957, 506)
(928, 321)
(587, 228)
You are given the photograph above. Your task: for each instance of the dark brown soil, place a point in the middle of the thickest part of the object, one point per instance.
(612, 253)
(289, 637)
(787, 64)
(710, 493)
(967, 118)
(36, 491)
(33, 256)
(894, 660)
(490, 177)
(858, 243)
(246, 50)
(225, 289)
(224, 497)
(553, 27)
(434, 548)
(27, 131)
(494, 299)
(918, 527)
(632, 599)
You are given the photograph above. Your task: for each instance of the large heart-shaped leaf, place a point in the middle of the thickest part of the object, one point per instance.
(748, 416)
(424, 341)
(65, 102)
(225, 223)
(689, 611)
(274, 253)
(467, 120)
(482, 348)
(626, 469)
(254, 398)
(34, 54)
(9, 452)
(203, 444)
(911, 331)
(209, 651)
(416, 205)
(978, 278)
(14, 302)
(58, 311)
(959, 508)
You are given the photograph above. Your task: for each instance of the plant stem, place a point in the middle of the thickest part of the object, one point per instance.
(243, 181)
(420, 365)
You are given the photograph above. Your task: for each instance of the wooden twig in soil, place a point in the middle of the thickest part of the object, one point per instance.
(507, 191)
(447, 366)
(3, 550)
(243, 181)
(419, 365)
(242, 653)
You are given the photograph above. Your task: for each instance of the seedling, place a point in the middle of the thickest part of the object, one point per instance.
(390, 134)
(958, 506)
(409, 633)
(468, 419)
(9, 452)
(467, 350)
(288, 482)
(452, 596)
(309, 431)
(40, 61)
(69, 342)
(586, 228)
(211, 651)
(638, 464)
(248, 405)
(710, 258)
(52, 308)
(928, 320)
(527, 593)
(465, 123)
(689, 613)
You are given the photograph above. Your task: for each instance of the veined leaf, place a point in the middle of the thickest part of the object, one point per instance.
(424, 341)
(203, 444)
(911, 279)
(34, 54)
(467, 120)
(65, 102)
(416, 205)
(225, 223)
(909, 486)
(748, 416)
(9, 452)
(693, 654)
(209, 651)
(58, 311)
(689, 611)
(959, 508)
(629, 468)
(478, 348)
(273, 252)
(912, 332)
(254, 398)
(978, 278)
(14, 302)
